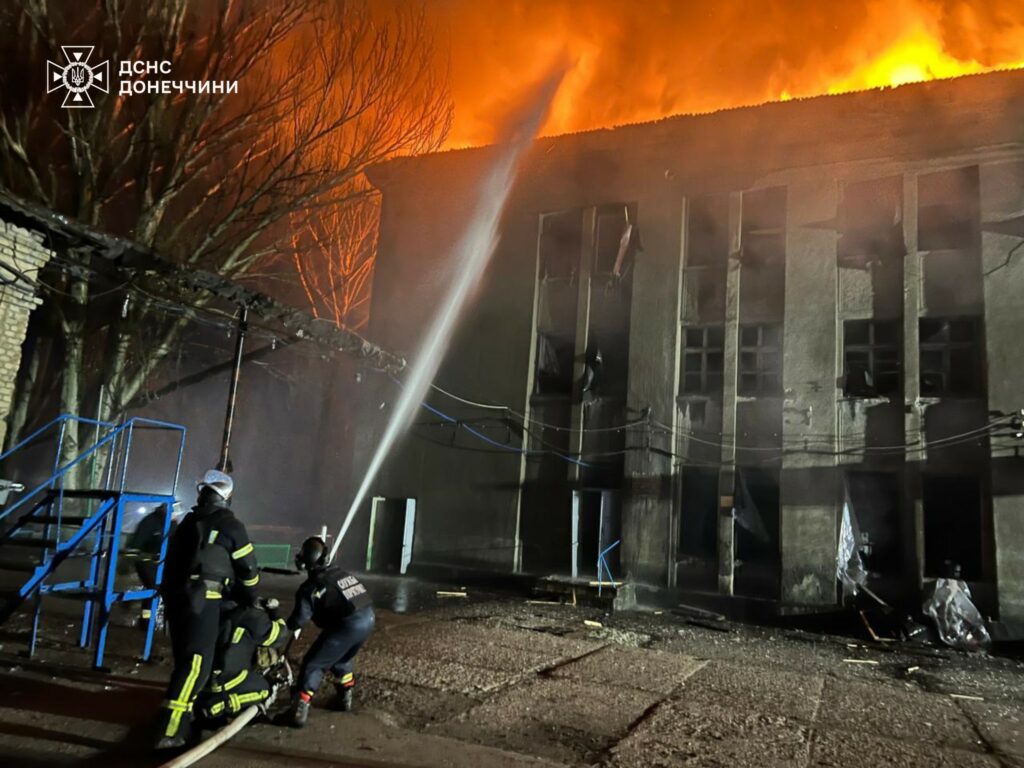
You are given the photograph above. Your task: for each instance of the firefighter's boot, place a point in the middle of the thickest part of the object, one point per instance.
(297, 716)
(342, 701)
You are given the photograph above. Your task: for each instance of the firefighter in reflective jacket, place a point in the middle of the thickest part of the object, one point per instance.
(210, 560)
(236, 682)
(341, 607)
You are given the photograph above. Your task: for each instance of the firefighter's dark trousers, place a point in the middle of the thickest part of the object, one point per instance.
(334, 650)
(194, 627)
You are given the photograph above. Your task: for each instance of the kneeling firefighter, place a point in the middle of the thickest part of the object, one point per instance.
(209, 560)
(252, 639)
(341, 607)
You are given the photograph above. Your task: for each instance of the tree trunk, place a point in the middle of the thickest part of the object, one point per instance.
(73, 326)
(23, 396)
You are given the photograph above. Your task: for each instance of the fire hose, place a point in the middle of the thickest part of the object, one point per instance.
(222, 736)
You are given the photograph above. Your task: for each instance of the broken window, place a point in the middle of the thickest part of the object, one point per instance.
(703, 360)
(760, 369)
(948, 210)
(952, 525)
(950, 356)
(616, 239)
(554, 364)
(871, 355)
(561, 242)
(707, 231)
(871, 222)
(764, 226)
(875, 499)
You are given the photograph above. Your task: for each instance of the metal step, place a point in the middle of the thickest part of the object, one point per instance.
(63, 519)
(85, 493)
(26, 542)
(22, 566)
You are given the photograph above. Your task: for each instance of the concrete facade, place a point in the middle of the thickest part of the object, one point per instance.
(22, 251)
(811, 303)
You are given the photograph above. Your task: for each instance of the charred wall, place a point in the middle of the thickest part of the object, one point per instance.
(814, 308)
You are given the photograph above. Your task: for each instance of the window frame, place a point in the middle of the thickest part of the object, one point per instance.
(706, 349)
(946, 347)
(760, 350)
(872, 348)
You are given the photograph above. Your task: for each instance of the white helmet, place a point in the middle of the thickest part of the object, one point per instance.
(218, 482)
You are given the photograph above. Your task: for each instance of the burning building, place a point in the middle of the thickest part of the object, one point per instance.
(706, 337)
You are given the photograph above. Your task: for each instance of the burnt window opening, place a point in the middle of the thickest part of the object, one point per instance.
(952, 525)
(698, 519)
(875, 500)
(871, 222)
(948, 216)
(760, 369)
(871, 357)
(950, 356)
(707, 229)
(554, 364)
(764, 226)
(561, 243)
(703, 360)
(616, 239)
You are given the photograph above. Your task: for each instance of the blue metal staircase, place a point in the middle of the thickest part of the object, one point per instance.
(39, 521)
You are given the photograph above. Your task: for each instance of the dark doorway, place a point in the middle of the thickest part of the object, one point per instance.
(596, 525)
(952, 525)
(392, 524)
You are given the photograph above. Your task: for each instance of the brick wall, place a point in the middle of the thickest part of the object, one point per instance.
(23, 250)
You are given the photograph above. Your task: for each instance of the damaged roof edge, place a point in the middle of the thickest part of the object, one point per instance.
(129, 256)
(391, 171)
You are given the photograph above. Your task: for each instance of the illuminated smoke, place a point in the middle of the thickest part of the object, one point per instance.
(470, 257)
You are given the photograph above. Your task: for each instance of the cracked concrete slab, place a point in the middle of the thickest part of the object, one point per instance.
(841, 749)
(755, 689)
(902, 713)
(680, 733)
(557, 718)
(469, 651)
(1001, 725)
(431, 673)
(654, 671)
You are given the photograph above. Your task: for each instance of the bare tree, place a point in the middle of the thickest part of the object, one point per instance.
(333, 252)
(214, 180)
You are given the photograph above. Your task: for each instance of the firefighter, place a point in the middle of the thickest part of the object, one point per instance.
(210, 560)
(341, 607)
(236, 681)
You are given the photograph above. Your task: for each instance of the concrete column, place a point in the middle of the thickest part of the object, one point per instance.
(808, 528)
(914, 413)
(727, 475)
(647, 518)
(1002, 197)
(582, 336)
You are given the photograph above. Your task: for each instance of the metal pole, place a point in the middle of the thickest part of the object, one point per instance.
(229, 417)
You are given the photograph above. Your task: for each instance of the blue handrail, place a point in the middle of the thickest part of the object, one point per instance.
(60, 419)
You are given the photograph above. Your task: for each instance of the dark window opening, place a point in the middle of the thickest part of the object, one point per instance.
(948, 215)
(760, 368)
(616, 239)
(764, 226)
(950, 351)
(875, 499)
(703, 360)
(698, 519)
(561, 242)
(708, 231)
(952, 525)
(554, 364)
(871, 222)
(871, 355)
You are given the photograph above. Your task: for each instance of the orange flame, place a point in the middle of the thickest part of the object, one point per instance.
(644, 61)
